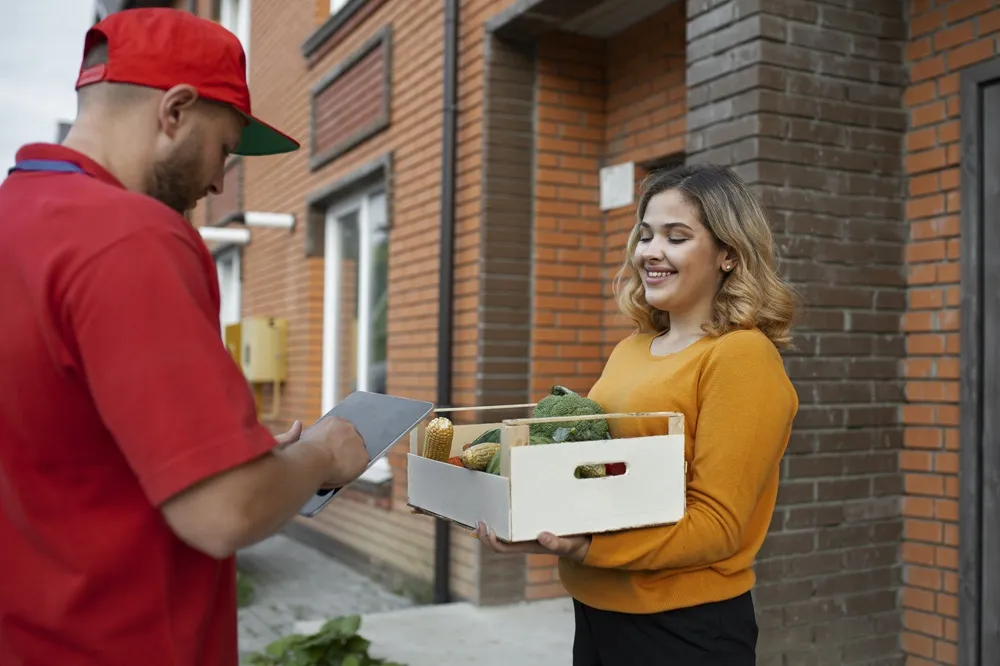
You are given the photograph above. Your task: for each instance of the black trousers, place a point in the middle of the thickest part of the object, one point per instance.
(722, 633)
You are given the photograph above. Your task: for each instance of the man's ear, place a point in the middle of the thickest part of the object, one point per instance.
(175, 104)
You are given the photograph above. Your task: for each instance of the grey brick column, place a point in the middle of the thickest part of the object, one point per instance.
(803, 99)
(504, 244)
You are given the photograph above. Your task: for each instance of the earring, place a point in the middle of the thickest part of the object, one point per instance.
(728, 267)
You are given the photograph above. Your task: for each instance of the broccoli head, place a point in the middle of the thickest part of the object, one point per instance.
(564, 402)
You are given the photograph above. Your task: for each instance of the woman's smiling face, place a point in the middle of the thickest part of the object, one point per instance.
(679, 260)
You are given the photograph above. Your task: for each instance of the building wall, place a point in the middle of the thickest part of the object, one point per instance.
(945, 38)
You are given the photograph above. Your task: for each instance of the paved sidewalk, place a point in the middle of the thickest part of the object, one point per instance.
(461, 634)
(297, 589)
(295, 582)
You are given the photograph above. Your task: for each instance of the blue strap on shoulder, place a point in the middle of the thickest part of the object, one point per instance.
(52, 166)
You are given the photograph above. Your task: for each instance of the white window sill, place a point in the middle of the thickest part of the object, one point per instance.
(379, 473)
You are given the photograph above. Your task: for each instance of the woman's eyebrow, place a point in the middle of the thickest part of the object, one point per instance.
(666, 225)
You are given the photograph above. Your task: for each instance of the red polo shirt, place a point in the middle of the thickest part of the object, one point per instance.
(117, 394)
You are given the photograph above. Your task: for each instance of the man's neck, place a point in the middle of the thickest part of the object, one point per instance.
(95, 142)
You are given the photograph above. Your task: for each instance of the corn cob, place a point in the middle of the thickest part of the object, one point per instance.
(478, 457)
(437, 439)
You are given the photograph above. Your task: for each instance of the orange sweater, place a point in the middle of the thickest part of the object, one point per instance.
(738, 406)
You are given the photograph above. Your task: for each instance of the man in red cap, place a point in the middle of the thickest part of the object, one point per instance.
(132, 463)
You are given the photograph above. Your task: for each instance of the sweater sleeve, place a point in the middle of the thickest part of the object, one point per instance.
(746, 407)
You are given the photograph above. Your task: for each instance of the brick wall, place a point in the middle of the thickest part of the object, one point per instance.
(945, 37)
(568, 239)
(600, 102)
(646, 122)
(804, 99)
(230, 200)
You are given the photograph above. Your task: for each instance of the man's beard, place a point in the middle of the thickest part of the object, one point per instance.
(175, 180)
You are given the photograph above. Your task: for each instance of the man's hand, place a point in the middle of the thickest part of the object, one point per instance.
(572, 548)
(290, 437)
(250, 502)
(345, 449)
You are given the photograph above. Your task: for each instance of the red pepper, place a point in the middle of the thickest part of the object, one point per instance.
(614, 469)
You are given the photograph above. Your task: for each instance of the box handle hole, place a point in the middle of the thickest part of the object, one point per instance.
(593, 470)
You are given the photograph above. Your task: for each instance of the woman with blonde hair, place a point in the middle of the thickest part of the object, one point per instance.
(699, 282)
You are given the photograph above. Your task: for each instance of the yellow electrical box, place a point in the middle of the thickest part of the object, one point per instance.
(231, 335)
(262, 353)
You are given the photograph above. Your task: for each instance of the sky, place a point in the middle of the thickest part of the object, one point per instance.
(41, 42)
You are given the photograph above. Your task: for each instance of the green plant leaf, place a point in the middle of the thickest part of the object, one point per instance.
(357, 645)
(342, 627)
(337, 643)
(284, 644)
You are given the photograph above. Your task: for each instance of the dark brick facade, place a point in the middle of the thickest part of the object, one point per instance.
(804, 99)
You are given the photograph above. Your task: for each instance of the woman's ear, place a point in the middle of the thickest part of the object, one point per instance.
(729, 261)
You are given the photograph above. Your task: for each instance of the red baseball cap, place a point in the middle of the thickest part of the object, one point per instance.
(160, 48)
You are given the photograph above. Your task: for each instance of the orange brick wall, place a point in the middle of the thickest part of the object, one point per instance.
(599, 103)
(569, 242)
(945, 37)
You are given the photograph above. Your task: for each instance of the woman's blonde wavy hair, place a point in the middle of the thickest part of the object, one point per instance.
(752, 295)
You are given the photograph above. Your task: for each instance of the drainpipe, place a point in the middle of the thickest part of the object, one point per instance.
(446, 298)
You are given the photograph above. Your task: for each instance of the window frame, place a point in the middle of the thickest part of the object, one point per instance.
(233, 256)
(237, 22)
(359, 203)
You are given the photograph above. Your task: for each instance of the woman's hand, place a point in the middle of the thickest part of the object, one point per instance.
(572, 548)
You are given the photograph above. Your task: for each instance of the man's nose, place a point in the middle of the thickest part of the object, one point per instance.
(216, 186)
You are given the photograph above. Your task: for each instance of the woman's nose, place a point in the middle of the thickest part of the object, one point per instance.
(652, 250)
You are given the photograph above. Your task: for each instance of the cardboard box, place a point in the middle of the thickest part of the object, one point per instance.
(537, 491)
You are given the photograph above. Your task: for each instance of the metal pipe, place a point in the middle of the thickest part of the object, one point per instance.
(442, 530)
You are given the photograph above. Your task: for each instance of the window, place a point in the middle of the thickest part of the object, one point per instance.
(355, 299)
(234, 15)
(337, 5)
(227, 264)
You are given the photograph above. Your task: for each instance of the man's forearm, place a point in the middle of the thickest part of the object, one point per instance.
(292, 476)
(251, 502)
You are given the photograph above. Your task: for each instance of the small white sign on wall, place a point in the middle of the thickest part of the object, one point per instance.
(617, 185)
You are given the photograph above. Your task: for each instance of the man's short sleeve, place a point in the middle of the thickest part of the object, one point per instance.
(140, 319)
